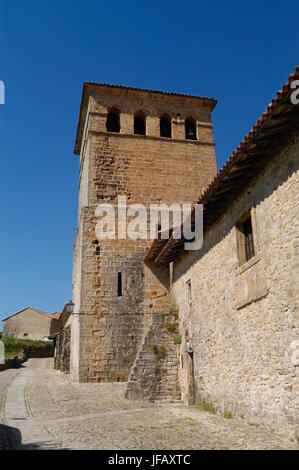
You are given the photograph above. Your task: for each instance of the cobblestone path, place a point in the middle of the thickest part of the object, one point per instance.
(42, 408)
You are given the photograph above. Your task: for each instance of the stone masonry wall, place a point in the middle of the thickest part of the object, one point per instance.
(242, 320)
(62, 350)
(108, 329)
(154, 374)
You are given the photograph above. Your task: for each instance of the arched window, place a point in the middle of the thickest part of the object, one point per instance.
(165, 126)
(139, 123)
(113, 123)
(190, 129)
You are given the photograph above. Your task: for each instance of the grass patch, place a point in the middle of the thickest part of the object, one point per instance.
(204, 405)
(228, 415)
(174, 311)
(120, 379)
(161, 352)
(14, 346)
(171, 311)
(177, 339)
(12, 352)
(171, 327)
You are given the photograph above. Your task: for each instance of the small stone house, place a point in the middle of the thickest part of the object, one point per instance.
(31, 323)
(237, 296)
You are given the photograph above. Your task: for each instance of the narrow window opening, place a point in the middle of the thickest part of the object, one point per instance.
(25, 334)
(113, 122)
(139, 124)
(190, 129)
(119, 285)
(165, 126)
(249, 246)
(188, 292)
(157, 230)
(245, 239)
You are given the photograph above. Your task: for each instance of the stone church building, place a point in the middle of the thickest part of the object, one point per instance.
(217, 324)
(151, 147)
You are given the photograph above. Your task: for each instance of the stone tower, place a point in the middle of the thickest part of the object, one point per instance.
(152, 147)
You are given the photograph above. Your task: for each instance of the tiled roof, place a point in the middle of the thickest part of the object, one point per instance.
(270, 133)
(56, 315)
(53, 316)
(211, 102)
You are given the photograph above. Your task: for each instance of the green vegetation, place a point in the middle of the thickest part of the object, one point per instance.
(159, 352)
(156, 369)
(204, 405)
(174, 311)
(177, 339)
(120, 379)
(171, 311)
(14, 346)
(228, 415)
(171, 327)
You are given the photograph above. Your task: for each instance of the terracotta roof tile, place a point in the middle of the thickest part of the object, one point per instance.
(36, 310)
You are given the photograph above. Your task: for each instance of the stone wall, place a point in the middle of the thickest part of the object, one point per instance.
(32, 350)
(41, 350)
(241, 320)
(62, 350)
(16, 361)
(108, 329)
(154, 374)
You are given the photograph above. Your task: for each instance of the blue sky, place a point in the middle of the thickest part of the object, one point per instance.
(237, 52)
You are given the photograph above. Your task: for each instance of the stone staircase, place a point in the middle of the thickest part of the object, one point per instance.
(154, 374)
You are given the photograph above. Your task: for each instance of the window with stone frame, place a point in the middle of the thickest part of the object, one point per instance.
(245, 238)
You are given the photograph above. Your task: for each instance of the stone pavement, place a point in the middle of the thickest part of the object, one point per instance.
(42, 408)
(6, 378)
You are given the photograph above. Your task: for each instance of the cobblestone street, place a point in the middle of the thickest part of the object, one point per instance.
(42, 408)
